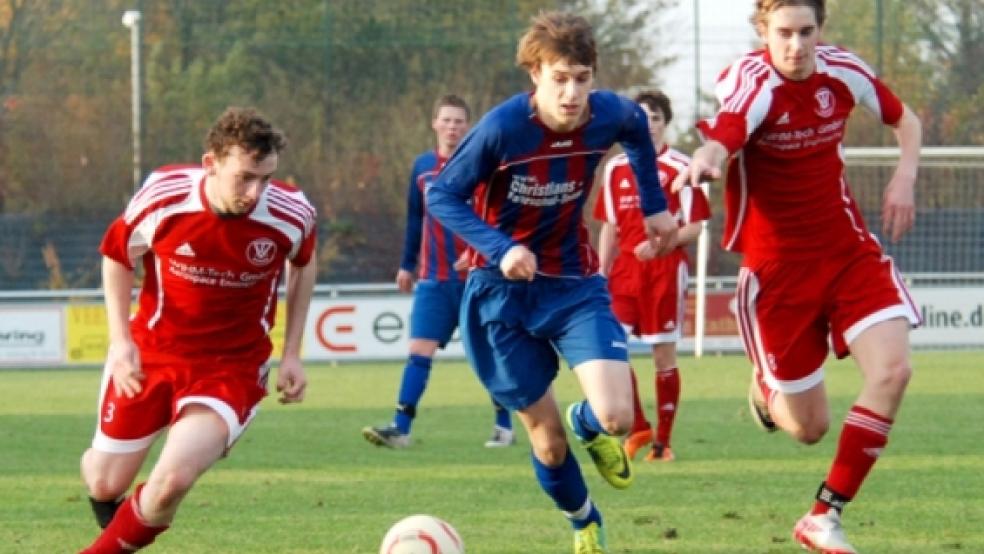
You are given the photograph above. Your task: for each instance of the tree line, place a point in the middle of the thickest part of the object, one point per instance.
(352, 82)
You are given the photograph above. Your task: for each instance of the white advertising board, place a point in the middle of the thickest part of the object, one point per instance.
(952, 316)
(31, 335)
(363, 329)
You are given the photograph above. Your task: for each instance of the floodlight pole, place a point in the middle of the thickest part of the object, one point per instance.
(131, 19)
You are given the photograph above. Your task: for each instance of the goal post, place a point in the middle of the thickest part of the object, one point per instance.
(947, 240)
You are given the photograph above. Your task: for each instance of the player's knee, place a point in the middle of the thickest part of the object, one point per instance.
(616, 422)
(102, 483)
(894, 377)
(104, 487)
(171, 487)
(551, 451)
(810, 432)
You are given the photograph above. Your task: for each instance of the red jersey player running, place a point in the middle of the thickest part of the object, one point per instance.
(213, 241)
(810, 267)
(648, 293)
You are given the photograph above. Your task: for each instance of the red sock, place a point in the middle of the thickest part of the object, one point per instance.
(862, 439)
(667, 399)
(639, 421)
(127, 532)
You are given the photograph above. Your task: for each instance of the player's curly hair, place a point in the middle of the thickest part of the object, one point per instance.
(246, 128)
(656, 100)
(555, 35)
(764, 7)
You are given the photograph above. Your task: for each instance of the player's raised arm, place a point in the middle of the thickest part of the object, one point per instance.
(898, 206)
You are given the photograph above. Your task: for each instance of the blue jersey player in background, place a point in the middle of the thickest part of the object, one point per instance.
(533, 291)
(436, 300)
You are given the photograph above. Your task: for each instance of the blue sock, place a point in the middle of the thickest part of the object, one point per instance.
(502, 418)
(585, 422)
(565, 485)
(415, 375)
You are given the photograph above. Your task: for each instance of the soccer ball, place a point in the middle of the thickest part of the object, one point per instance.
(422, 534)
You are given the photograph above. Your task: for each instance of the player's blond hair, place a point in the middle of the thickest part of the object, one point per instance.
(247, 129)
(764, 7)
(555, 35)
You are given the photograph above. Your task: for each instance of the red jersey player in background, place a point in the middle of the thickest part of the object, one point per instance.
(810, 267)
(649, 293)
(213, 241)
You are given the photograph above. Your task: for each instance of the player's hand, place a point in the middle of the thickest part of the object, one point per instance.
(519, 264)
(898, 207)
(404, 280)
(705, 165)
(462, 262)
(661, 229)
(644, 251)
(123, 361)
(291, 380)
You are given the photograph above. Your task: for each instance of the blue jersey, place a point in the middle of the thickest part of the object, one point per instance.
(530, 183)
(425, 238)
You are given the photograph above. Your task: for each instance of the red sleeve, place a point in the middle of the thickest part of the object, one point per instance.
(700, 208)
(599, 208)
(306, 250)
(891, 107)
(114, 242)
(727, 128)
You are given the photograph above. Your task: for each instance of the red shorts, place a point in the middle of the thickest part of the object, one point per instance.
(649, 298)
(233, 390)
(787, 310)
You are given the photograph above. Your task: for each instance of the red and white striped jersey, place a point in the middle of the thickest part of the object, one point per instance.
(618, 199)
(210, 283)
(786, 195)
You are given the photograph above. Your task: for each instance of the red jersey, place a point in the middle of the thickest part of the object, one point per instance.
(786, 195)
(618, 200)
(210, 282)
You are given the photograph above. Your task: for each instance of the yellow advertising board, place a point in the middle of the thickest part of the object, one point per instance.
(87, 337)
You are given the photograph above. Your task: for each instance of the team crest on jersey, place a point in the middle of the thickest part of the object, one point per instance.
(261, 252)
(825, 102)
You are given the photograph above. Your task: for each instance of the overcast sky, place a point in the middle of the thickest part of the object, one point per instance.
(725, 33)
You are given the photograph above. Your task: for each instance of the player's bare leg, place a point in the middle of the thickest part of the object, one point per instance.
(882, 354)
(605, 414)
(805, 415)
(107, 477)
(195, 442)
(607, 386)
(559, 474)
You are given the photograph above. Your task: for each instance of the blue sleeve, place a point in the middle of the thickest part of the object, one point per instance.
(448, 196)
(638, 146)
(415, 223)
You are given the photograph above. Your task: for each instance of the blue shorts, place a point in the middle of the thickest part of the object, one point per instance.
(513, 331)
(434, 315)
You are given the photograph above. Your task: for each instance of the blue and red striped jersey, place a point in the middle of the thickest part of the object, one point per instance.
(426, 239)
(530, 183)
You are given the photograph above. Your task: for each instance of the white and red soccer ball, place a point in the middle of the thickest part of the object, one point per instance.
(422, 534)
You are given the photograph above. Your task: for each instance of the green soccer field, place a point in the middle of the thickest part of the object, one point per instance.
(303, 480)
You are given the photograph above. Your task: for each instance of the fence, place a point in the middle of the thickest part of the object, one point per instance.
(41, 252)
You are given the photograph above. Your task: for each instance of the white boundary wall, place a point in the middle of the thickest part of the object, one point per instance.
(371, 322)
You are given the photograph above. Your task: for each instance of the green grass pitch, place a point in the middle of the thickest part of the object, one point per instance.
(303, 480)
